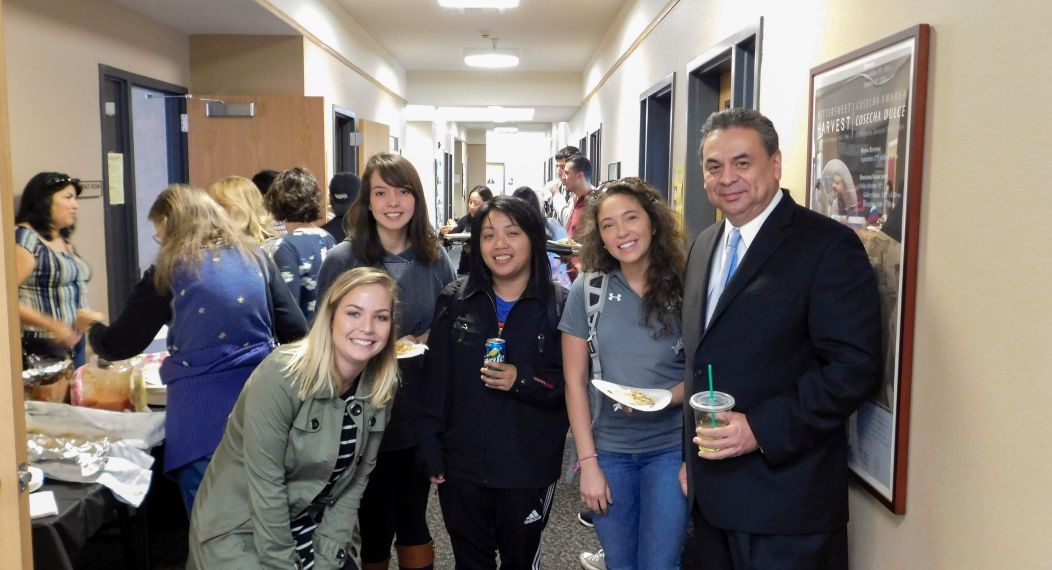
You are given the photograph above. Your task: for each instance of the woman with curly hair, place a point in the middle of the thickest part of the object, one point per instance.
(224, 305)
(241, 200)
(629, 462)
(294, 199)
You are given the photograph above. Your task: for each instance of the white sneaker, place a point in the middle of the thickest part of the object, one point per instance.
(595, 561)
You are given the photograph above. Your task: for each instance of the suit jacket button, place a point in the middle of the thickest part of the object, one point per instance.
(356, 410)
(372, 422)
(314, 423)
(340, 554)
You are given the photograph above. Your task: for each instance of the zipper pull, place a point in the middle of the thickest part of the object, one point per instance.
(540, 343)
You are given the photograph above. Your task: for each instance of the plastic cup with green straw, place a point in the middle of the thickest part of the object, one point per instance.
(712, 397)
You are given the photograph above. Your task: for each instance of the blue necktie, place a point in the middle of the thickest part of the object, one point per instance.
(732, 264)
(733, 241)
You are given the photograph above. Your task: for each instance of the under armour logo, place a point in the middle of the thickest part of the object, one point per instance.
(614, 297)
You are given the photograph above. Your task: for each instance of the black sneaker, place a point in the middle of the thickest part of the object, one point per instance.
(585, 518)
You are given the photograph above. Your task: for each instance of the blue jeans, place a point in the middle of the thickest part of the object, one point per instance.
(646, 524)
(189, 478)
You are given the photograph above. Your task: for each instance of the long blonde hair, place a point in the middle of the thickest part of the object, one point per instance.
(312, 364)
(192, 223)
(241, 200)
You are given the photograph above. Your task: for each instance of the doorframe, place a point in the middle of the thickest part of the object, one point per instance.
(745, 92)
(122, 254)
(337, 113)
(666, 85)
(16, 539)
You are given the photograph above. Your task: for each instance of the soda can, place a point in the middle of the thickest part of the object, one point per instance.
(495, 348)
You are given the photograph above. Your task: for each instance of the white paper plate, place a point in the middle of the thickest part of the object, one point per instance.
(413, 351)
(36, 480)
(623, 395)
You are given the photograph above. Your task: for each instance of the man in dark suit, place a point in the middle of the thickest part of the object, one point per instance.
(783, 304)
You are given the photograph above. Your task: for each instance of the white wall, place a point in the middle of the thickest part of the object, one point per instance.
(523, 155)
(979, 451)
(326, 76)
(53, 50)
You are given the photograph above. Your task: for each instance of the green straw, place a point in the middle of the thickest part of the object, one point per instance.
(712, 397)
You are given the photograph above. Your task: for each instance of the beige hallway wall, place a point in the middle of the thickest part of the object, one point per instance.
(979, 452)
(53, 50)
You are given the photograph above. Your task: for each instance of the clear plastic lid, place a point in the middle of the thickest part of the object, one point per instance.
(716, 402)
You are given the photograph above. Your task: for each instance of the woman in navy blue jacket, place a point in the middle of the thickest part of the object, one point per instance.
(492, 433)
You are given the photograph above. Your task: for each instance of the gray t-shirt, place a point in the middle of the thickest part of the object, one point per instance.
(630, 355)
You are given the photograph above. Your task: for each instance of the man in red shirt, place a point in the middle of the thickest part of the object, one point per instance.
(577, 178)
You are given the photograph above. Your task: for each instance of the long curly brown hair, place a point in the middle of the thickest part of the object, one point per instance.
(663, 296)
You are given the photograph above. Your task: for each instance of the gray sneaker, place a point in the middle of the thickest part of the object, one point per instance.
(591, 561)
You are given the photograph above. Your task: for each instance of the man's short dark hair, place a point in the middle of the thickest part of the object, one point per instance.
(263, 179)
(566, 152)
(745, 119)
(580, 163)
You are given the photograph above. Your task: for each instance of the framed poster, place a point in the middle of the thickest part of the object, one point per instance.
(613, 171)
(866, 149)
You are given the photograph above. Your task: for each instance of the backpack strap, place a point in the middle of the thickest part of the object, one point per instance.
(595, 287)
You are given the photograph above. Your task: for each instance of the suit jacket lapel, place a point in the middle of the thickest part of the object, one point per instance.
(766, 242)
(696, 296)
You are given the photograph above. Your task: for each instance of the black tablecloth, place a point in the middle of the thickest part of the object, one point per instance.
(82, 509)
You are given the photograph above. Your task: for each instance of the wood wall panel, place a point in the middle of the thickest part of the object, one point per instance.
(287, 131)
(376, 137)
(15, 543)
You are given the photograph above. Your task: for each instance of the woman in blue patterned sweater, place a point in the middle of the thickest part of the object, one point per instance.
(295, 199)
(224, 304)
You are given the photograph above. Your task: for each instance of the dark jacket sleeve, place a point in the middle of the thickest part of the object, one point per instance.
(434, 388)
(145, 312)
(463, 225)
(540, 381)
(844, 322)
(289, 324)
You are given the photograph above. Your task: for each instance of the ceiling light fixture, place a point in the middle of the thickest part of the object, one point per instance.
(491, 58)
(506, 130)
(479, 4)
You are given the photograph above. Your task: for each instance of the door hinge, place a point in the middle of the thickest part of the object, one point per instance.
(24, 477)
(184, 123)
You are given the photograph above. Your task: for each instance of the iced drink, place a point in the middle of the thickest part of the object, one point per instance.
(706, 409)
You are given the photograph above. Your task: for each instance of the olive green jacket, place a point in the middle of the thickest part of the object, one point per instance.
(276, 456)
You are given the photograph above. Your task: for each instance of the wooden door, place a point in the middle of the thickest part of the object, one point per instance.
(287, 131)
(376, 137)
(15, 528)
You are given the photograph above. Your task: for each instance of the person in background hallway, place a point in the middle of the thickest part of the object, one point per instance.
(52, 278)
(553, 230)
(343, 189)
(295, 200)
(782, 303)
(492, 433)
(263, 179)
(629, 461)
(478, 196)
(242, 202)
(389, 229)
(224, 304)
(557, 197)
(284, 486)
(577, 177)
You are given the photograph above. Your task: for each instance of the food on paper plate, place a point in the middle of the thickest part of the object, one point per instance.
(639, 398)
(404, 347)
